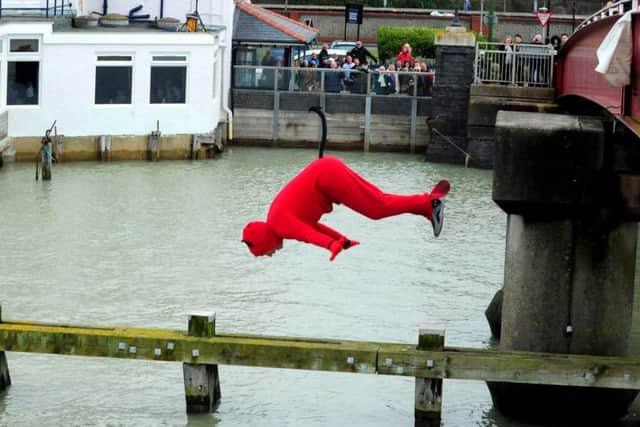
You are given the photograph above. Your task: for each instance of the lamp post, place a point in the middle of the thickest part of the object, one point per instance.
(481, 16)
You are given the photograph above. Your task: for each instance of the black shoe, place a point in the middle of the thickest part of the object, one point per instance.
(437, 216)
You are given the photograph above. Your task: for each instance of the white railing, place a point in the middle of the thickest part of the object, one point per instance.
(327, 80)
(616, 8)
(518, 65)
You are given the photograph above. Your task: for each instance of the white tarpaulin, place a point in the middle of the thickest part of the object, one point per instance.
(614, 53)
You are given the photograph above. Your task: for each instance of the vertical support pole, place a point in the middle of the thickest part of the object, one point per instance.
(46, 161)
(58, 145)
(275, 126)
(367, 123)
(201, 381)
(195, 147)
(428, 397)
(368, 82)
(413, 125)
(153, 145)
(105, 148)
(5, 380)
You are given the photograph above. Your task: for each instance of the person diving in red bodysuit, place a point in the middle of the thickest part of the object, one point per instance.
(297, 208)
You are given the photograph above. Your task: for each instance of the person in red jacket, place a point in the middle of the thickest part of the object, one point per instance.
(405, 55)
(297, 208)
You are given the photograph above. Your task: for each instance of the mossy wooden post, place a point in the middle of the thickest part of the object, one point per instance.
(154, 143)
(5, 380)
(105, 148)
(201, 381)
(428, 404)
(195, 147)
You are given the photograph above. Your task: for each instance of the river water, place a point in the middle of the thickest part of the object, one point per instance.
(144, 244)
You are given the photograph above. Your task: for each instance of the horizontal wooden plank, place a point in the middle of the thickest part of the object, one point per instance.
(173, 345)
(322, 355)
(514, 367)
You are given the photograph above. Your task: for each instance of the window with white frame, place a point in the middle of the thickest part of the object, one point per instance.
(114, 77)
(168, 79)
(24, 45)
(23, 71)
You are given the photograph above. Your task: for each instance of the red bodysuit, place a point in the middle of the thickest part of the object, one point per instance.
(297, 208)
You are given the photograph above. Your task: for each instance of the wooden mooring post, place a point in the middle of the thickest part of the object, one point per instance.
(201, 381)
(153, 146)
(428, 404)
(5, 379)
(105, 148)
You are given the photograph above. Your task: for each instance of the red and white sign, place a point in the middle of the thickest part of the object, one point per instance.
(543, 17)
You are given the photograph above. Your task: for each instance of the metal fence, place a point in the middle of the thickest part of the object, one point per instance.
(519, 65)
(48, 8)
(327, 80)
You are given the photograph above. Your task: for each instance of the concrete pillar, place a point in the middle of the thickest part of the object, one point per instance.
(570, 259)
(201, 381)
(5, 379)
(455, 53)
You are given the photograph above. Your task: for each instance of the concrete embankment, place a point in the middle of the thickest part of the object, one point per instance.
(117, 147)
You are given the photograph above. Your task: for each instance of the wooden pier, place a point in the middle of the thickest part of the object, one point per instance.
(201, 349)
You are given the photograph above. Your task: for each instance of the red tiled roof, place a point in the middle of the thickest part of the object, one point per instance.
(275, 19)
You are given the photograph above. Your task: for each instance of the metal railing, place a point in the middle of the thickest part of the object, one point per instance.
(617, 8)
(57, 9)
(518, 65)
(327, 80)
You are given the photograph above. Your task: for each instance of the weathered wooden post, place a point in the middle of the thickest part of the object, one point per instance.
(201, 381)
(153, 145)
(105, 148)
(428, 398)
(570, 258)
(58, 145)
(46, 160)
(195, 147)
(5, 379)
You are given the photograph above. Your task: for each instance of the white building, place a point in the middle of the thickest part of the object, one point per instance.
(115, 81)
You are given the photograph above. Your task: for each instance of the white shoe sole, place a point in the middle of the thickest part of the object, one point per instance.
(437, 216)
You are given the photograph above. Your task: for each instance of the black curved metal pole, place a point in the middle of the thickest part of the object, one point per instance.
(318, 110)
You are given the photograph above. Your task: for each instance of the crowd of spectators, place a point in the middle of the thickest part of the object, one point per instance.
(519, 63)
(360, 69)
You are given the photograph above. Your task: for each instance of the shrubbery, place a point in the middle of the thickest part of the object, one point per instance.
(421, 39)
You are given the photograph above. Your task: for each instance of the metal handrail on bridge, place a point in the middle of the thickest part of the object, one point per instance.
(617, 8)
(516, 65)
